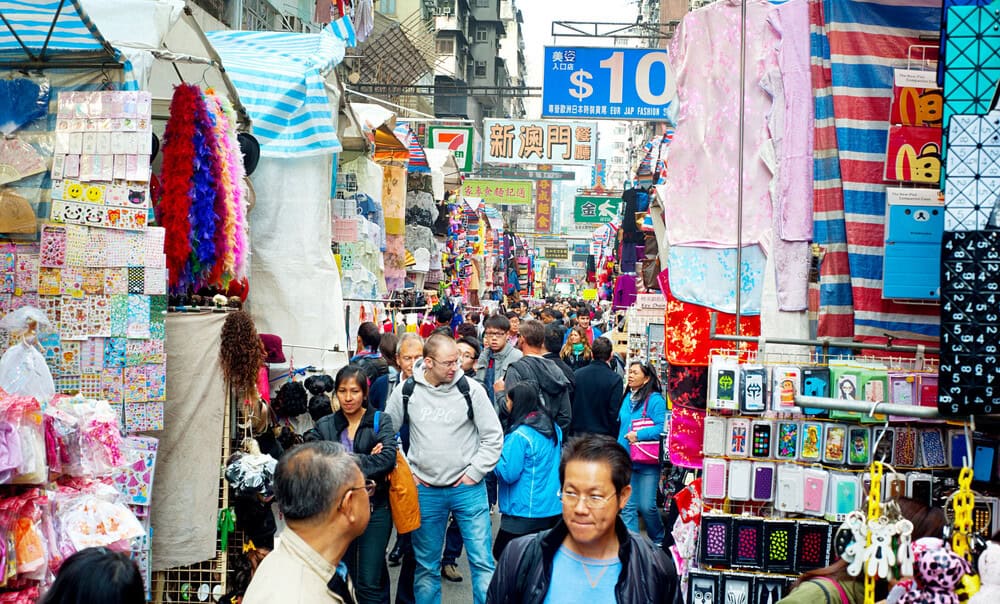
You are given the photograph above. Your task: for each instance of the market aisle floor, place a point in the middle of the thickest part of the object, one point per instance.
(451, 593)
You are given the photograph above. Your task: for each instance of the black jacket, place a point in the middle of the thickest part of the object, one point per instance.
(375, 467)
(554, 384)
(566, 369)
(373, 366)
(598, 400)
(523, 574)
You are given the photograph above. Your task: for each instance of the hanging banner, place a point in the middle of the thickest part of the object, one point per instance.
(460, 140)
(543, 204)
(540, 141)
(394, 199)
(608, 83)
(595, 210)
(509, 192)
(598, 173)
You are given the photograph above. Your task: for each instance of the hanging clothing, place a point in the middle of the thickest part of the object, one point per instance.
(700, 205)
(707, 276)
(364, 19)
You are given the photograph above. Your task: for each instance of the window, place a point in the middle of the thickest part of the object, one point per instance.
(480, 69)
(445, 46)
(482, 3)
(482, 33)
(387, 7)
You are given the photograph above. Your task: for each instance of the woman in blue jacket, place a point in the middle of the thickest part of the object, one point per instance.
(528, 470)
(643, 399)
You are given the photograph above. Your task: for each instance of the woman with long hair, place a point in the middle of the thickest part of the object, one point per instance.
(528, 470)
(369, 435)
(576, 351)
(643, 401)
(827, 584)
(97, 575)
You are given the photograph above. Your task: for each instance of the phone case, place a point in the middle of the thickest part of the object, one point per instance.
(893, 486)
(748, 543)
(716, 539)
(739, 480)
(932, 448)
(928, 390)
(763, 481)
(785, 385)
(762, 439)
(902, 391)
(844, 493)
(859, 446)
(814, 495)
(811, 441)
(714, 443)
(723, 383)
(786, 446)
(835, 443)
(753, 391)
(920, 486)
(957, 448)
(874, 384)
(788, 495)
(779, 546)
(738, 437)
(904, 451)
(882, 442)
(845, 384)
(703, 587)
(815, 382)
(736, 588)
(813, 546)
(714, 479)
(984, 460)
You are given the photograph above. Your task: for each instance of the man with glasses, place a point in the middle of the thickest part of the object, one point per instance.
(498, 354)
(589, 556)
(323, 497)
(455, 439)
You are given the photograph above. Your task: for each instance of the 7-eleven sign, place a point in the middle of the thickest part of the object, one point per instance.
(458, 139)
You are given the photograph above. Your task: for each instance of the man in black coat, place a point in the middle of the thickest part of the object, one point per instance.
(599, 393)
(555, 334)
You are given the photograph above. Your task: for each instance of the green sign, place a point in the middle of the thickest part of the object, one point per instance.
(595, 209)
(508, 192)
(458, 139)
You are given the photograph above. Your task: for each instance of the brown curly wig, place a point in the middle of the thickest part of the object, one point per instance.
(241, 354)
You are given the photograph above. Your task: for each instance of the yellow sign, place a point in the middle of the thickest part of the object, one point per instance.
(589, 294)
(510, 192)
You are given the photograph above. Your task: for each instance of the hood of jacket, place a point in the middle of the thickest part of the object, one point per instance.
(551, 380)
(541, 423)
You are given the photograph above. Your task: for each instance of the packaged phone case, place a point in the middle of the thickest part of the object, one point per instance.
(844, 493)
(811, 441)
(957, 448)
(753, 391)
(874, 384)
(904, 451)
(763, 481)
(786, 447)
(761, 439)
(920, 486)
(714, 444)
(984, 461)
(714, 479)
(902, 391)
(716, 540)
(785, 384)
(789, 491)
(932, 448)
(882, 443)
(813, 546)
(740, 477)
(815, 382)
(845, 385)
(779, 545)
(893, 486)
(835, 444)
(748, 543)
(928, 390)
(723, 383)
(738, 437)
(814, 496)
(859, 446)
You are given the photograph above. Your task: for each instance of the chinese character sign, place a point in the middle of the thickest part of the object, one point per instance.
(539, 142)
(543, 204)
(608, 83)
(459, 140)
(594, 209)
(510, 192)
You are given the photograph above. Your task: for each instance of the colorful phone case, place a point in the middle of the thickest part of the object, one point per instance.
(753, 391)
(738, 437)
(932, 448)
(787, 444)
(763, 481)
(858, 446)
(723, 383)
(904, 450)
(814, 493)
(714, 479)
(835, 444)
(845, 493)
(811, 441)
(785, 384)
(762, 439)
(882, 442)
(740, 475)
(815, 382)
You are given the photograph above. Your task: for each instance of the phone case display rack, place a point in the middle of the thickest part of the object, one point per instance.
(779, 476)
(644, 326)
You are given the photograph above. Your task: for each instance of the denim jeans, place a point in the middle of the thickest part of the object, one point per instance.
(452, 543)
(471, 510)
(645, 479)
(365, 559)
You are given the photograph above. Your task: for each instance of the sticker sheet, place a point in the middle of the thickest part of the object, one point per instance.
(135, 480)
(144, 417)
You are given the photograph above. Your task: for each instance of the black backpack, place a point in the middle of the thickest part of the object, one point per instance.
(463, 387)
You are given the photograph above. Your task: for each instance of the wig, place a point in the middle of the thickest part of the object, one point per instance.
(241, 354)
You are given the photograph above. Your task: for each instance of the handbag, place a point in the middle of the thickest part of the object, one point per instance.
(687, 431)
(404, 503)
(644, 451)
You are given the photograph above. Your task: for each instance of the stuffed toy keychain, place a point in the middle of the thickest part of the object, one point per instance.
(989, 576)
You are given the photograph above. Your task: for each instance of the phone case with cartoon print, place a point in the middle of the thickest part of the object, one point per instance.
(835, 444)
(811, 441)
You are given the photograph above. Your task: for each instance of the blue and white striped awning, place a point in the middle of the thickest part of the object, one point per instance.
(280, 77)
(48, 30)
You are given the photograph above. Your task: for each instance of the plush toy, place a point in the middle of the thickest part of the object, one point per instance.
(989, 576)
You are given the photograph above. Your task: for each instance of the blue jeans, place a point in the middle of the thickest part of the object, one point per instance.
(365, 559)
(452, 543)
(645, 479)
(471, 510)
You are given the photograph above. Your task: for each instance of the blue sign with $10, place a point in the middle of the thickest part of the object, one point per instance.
(609, 83)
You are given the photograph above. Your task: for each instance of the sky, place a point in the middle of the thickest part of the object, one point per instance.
(538, 17)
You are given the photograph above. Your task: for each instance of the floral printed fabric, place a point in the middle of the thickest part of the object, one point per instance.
(703, 181)
(707, 276)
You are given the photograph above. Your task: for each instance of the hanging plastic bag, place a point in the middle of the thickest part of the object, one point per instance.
(23, 371)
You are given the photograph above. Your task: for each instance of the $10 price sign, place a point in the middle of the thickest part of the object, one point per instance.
(609, 83)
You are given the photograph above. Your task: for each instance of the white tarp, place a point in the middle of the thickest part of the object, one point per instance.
(295, 289)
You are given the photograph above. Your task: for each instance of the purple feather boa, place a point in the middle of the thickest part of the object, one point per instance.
(204, 220)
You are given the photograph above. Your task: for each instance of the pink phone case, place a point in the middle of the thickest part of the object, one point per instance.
(714, 479)
(814, 496)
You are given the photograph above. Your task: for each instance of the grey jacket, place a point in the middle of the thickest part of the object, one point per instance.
(553, 383)
(501, 362)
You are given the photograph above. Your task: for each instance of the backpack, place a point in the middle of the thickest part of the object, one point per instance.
(463, 387)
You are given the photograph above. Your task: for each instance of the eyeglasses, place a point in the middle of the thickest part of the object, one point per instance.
(494, 334)
(446, 363)
(369, 488)
(594, 502)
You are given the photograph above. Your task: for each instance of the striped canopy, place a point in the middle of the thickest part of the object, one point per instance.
(55, 31)
(281, 79)
(418, 159)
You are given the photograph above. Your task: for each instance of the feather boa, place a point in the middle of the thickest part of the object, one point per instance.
(178, 168)
(223, 270)
(212, 274)
(241, 249)
(203, 220)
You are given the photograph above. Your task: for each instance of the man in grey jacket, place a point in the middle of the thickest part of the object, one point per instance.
(455, 439)
(498, 354)
(551, 380)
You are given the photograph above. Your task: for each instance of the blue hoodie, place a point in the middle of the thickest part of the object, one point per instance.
(528, 470)
(656, 410)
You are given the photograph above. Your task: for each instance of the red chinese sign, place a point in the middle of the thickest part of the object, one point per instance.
(543, 204)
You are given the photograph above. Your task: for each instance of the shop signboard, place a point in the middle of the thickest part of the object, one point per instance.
(608, 83)
(540, 142)
(581, 249)
(543, 204)
(598, 173)
(556, 253)
(460, 140)
(507, 192)
(595, 209)
(498, 172)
